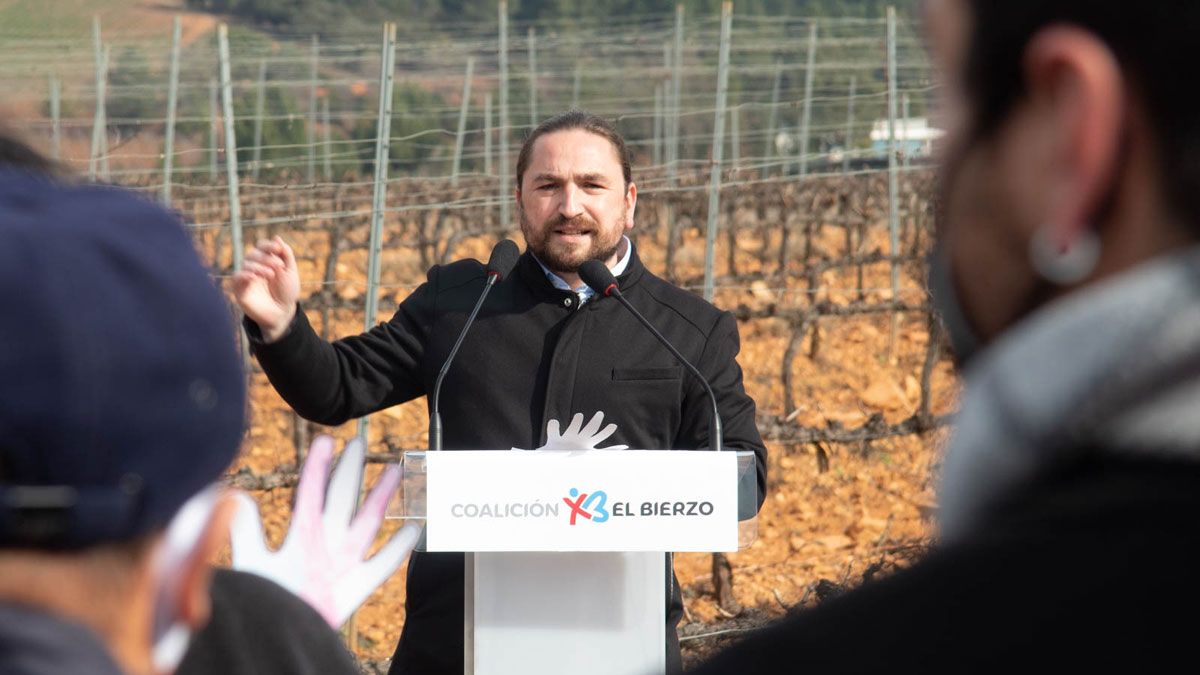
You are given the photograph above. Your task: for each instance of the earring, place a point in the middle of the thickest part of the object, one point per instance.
(1064, 266)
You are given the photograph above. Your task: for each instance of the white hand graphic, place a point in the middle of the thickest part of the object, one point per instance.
(578, 437)
(322, 557)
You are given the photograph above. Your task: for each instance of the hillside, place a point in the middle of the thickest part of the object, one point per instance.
(451, 18)
(58, 19)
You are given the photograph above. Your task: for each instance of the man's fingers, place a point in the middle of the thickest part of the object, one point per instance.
(265, 258)
(255, 266)
(285, 252)
(263, 271)
(246, 285)
(270, 248)
(264, 251)
(242, 280)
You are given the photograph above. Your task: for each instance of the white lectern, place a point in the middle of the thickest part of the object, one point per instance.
(566, 569)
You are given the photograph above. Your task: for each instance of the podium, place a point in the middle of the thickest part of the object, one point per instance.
(567, 568)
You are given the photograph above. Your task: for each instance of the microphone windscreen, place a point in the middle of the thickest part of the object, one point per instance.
(597, 276)
(503, 259)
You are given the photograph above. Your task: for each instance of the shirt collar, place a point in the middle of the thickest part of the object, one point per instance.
(584, 292)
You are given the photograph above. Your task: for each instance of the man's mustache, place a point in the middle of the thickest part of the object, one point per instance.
(580, 222)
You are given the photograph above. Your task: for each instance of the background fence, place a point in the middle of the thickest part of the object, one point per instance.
(780, 173)
(800, 92)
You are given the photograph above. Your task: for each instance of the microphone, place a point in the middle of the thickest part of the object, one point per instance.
(502, 260)
(598, 277)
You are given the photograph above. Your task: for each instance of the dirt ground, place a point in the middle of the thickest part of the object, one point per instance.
(835, 513)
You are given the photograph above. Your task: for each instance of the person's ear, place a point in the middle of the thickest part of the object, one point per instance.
(1075, 85)
(630, 205)
(195, 602)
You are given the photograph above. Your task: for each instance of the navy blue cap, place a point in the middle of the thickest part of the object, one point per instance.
(121, 388)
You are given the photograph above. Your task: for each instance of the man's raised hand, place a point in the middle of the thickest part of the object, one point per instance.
(268, 286)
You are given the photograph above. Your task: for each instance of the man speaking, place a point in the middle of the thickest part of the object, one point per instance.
(543, 349)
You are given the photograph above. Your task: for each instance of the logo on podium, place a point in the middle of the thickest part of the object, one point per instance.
(590, 506)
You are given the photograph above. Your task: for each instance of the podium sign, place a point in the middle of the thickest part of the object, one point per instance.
(597, 500)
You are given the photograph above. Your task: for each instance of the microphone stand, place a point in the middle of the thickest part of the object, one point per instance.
(435, 417)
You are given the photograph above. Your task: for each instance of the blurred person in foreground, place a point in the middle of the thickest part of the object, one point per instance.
(1068, 276)
(274, 611)
(122, 402)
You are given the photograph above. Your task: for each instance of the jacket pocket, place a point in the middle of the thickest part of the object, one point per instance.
(625, 374)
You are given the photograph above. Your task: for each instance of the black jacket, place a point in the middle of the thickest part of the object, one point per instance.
(257, 626)
(1088, 569)
(534, 354)
(33, 642)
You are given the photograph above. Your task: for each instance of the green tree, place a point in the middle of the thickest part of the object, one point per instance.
(283, 133)
(414, 110)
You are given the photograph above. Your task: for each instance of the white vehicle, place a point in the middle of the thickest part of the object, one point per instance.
(914, 137)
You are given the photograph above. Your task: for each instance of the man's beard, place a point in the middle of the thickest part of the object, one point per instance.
(560, 258)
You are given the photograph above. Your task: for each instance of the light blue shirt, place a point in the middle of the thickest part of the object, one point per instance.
(584, 292)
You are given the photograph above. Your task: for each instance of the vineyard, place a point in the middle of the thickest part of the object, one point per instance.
(852, 389)
(761, 182)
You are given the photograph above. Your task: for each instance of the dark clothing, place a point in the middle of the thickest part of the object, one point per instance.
(1087, 569)
(257, 626)
(33, 642)
(1067, 505)
(101, 365)
(533, 355)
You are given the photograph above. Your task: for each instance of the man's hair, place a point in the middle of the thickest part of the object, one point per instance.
(577, 119)
(1154, 42)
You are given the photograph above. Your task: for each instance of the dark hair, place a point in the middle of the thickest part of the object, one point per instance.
(577, 119)
(1154, 42)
